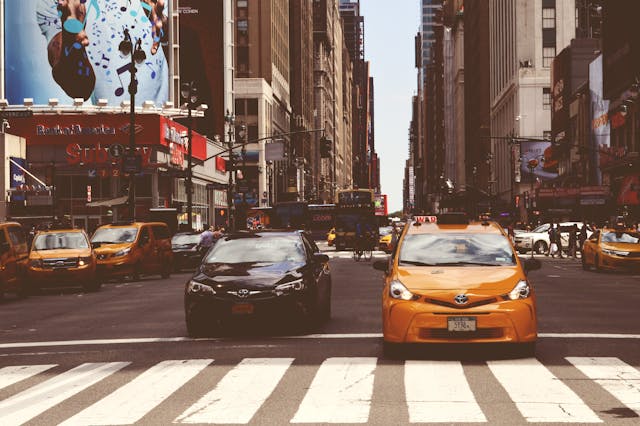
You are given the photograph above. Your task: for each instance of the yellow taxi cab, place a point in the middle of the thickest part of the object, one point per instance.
(386, 237)
(612, 249)
(14, 254)
(62, 257)
(457, 281)
(331, 236)
(132, 249)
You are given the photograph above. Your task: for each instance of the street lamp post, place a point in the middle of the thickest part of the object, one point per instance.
(190, 94)
(138, 56)
(230, 119)
(532, 164)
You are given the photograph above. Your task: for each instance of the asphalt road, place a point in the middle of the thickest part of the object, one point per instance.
(121, 356)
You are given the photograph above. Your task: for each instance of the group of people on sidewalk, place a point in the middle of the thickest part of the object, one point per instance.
(577, 237)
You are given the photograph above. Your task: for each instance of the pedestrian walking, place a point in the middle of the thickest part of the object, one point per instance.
(552, 240)
(558, 236)
(573, 241)
(582, 237)
(206, 239)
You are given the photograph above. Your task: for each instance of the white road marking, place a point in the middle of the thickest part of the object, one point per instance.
(438, 392)
(539, 395)
(615, 376)
(15, 374)
(340, 392)
(240, 393)
(134, 400)
(90, 342)
(26, 405)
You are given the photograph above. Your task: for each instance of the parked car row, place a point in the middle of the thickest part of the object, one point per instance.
(61, 256)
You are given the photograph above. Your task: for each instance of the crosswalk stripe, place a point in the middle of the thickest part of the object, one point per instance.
(340, 392)
(437, 392)
(34, 401)
(615, 376)
(132, 401)
(240, 393)
(539, 394)
(15, 374)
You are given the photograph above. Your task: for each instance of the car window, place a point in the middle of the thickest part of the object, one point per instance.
(18, 238)
(542, 228)
(144, 235)
(60, 240)
(456, 249)
(257, 249)
(114, 235)
(185, 239)
(160, 232)
(621, 237)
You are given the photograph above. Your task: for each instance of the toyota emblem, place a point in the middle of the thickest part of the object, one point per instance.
(461, 299)
(243, 293)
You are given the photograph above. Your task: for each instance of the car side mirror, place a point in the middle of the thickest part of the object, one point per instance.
(381, 265)
(531, 264)
(320, 258)
(4, 247)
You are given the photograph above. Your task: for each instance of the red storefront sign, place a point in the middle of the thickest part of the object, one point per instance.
(96, 132)
(221, 164)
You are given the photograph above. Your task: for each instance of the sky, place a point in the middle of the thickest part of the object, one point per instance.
(389, 31)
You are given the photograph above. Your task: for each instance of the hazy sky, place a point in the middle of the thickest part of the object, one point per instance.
(389, 31)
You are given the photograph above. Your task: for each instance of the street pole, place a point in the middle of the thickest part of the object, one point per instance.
(230, 120)
(189, 173)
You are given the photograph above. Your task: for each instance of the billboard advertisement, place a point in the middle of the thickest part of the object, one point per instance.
(539, 161)
(71, 49)
(600, 118)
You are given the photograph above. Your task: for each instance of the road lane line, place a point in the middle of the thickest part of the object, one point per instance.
(134, 400)
(15, 374)
(539, 395)
(340, 392)
(89, 342)
(438, 392)
(618, 378)
(34, 401)
(240, 393)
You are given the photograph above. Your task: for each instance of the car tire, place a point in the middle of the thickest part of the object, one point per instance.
(392, 350)
(540, 247)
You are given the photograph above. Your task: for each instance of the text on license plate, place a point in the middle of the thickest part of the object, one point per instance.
(461, 323)
(242, 309)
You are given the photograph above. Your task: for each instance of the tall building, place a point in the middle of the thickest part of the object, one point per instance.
(430, 22)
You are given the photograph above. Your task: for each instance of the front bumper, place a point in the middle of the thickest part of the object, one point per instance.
(419, 322)
(115, 267)
(46, 277)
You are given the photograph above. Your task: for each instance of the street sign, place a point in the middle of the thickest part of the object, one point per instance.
(131, 163)
(116, 150)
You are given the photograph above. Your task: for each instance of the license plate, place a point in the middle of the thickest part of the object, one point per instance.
(461, 323)
(242, 309)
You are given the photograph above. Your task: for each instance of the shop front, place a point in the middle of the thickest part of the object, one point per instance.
(79, 159)
(590, 203)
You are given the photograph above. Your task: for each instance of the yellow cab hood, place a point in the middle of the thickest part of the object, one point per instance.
(57, 253)
(493, 279)
(111, 248)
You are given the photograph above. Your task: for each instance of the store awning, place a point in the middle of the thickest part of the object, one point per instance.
(109, 203)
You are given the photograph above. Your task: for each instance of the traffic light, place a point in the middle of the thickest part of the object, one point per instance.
(325, 147)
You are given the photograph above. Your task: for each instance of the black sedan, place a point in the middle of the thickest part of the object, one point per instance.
(257, 276)
(186, 253)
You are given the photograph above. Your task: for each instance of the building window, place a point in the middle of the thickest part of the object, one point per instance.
(243, 25)
(548, 53)
(242, 3)
(546, 98)
(548, 18)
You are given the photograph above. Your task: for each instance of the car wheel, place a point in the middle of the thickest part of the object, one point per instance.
(540, 247)
(392, 350)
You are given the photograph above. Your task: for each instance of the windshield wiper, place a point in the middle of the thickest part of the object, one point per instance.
(416, 263)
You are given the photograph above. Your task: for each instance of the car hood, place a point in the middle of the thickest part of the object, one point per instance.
(53, 254)
(111, 248)
(249, 275)
(500, 279)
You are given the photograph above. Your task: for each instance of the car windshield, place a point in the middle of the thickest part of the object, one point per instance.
(184, 239)
(114, 235)
(542, 228)
(60, 240)
(621, 237)
(385, 230)
(456, 249)
(257, 249)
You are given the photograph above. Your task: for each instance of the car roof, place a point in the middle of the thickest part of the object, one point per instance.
(470, 228)
(57, 231)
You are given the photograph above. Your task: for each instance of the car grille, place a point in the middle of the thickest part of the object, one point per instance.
(443, 333)
(66, 262)
(465, 306)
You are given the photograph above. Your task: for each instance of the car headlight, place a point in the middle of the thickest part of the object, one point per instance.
(615, 252)
(397, 290)
(35, 263)
(522, 290)
(198, 288)
(84, 260)
(122, 252)
(290, 287)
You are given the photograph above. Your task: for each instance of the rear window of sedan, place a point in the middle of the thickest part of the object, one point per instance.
(456, 249)
(257, 249)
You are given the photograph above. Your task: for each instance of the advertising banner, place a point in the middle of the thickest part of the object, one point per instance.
(600, 119)
(16, 170)
(539, 161)
(70, 50)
